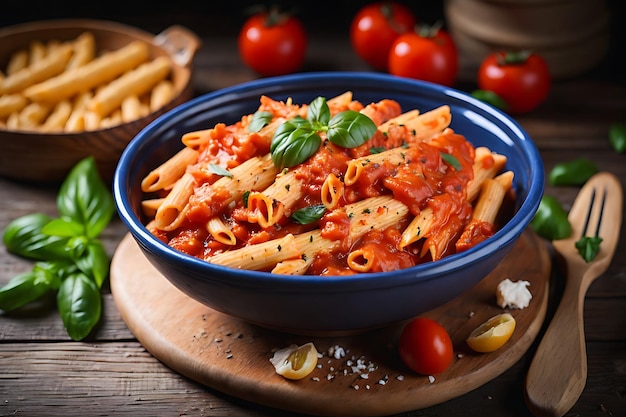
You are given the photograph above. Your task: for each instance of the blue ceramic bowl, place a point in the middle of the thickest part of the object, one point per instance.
(341, 304)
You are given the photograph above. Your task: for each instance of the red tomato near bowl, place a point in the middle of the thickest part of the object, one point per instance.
(428, 54)
(425, 346)
(273, 43)
(521, 79)
(375, 27)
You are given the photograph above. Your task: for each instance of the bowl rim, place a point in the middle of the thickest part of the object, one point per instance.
(506, 235)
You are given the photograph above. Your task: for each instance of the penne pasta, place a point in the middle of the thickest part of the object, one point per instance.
(169, 213)
(170, 171)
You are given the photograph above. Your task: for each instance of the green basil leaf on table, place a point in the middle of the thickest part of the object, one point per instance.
(84, 198)
(23, 289)
(617, 137)
(80, 305)
(574, 172)
(63, 227)
(23, 236)
(94, 262)
(550, 221)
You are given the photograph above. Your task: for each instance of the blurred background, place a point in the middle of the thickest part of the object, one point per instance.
(324, 18)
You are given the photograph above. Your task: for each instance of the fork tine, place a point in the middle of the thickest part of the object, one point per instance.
(588, 218)
(601, 212)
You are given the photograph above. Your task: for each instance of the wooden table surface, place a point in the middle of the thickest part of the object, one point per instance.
(44, 373)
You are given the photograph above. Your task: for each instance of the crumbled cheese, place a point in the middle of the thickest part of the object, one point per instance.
(513, 294)
(431, 379)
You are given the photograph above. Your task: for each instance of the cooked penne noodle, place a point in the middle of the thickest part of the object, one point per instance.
(252, 175)
(291, 267)
(395, 156)
(361, 260)
(261, 256)
(399, 120)
(264, 210)
(417, 228)
(149, 207)
(220, 231)
(332, 191)
(169, 213)
(430, 123)
(486, 165)
(164, 176)
(489, 201)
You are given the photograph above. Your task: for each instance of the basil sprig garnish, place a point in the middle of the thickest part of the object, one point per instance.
(259, 120)
(71, 260)
(297, 139)
(308, 214)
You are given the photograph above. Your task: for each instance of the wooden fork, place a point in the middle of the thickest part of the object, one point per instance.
(558, 372)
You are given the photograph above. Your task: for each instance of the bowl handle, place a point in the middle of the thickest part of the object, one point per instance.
(180, 43)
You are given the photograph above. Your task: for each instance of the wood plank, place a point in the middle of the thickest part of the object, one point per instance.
(122, 379)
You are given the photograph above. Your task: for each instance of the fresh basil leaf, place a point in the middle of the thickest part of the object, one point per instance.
(451, 160)
(293, 143)
(84, 198)
(216, 169)
(302, 146)
(77, 246)
(309, 214)
(80, 304)
(318, 112)
(23, 289)
(588, 247)
(245, 197)
(54, 272)
(350, 129)
(63, 227)
(23, 237)
(95, 262)
(259, 120)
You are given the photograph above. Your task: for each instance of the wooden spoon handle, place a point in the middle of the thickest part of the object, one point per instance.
(558, 371)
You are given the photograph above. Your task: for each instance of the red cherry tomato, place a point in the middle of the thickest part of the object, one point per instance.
(273, 43)
(375, 27)
(428, 55)
(425, 346)
(522, 80)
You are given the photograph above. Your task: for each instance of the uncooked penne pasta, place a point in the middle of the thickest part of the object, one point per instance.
(17, 62)
(137, 81)
(11, 103)
(37, 72)
(97, 72)
(33, 115)
(84, 50)
(58, 117)
(161, 95)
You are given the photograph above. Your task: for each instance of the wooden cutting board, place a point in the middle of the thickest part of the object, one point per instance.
(232, 356)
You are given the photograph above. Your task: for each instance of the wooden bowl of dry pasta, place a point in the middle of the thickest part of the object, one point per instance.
(76, 88)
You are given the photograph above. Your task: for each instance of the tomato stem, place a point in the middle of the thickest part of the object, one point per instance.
(513, 57)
